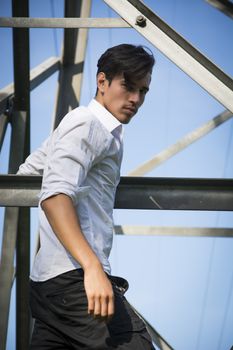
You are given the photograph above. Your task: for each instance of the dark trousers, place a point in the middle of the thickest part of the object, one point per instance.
(59, 307)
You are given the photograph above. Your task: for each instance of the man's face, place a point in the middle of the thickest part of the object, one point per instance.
(122, 99)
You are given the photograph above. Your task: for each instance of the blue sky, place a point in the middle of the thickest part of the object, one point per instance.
(182, 285)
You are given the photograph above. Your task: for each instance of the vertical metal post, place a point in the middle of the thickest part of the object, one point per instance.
(13, 226)
(7, 269)
(21, 142)
(71, 71)
(3, 127)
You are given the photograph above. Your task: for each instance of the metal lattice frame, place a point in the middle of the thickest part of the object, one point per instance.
(137, 193)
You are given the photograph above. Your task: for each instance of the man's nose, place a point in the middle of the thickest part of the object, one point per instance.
(134, 97)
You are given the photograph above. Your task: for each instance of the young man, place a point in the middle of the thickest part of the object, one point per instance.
(75, 301)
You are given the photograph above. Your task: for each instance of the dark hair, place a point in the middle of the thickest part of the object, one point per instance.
(134, 62)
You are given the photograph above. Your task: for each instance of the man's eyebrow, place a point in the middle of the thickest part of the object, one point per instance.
(134, 84)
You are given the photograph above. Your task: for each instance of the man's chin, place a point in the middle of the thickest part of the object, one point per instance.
(126, 118)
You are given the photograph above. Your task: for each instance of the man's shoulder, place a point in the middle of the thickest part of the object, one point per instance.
(79, 116)
(83, 120)
(82, 113)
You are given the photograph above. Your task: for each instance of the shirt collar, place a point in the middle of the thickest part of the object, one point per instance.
(105, 117)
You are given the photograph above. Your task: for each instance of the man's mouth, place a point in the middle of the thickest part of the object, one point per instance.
(132, 110)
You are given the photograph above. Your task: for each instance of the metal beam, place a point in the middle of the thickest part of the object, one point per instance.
(136, 193)
(226, 6)
(177, 49)
(20, 149)
(72, 63)
(3, 126)
(25, 22)
(173, 231)
(175, 194)
(37, 76)
(181, 144)
(7, 269)
(23, 319)
(43, 71)
(161, 343)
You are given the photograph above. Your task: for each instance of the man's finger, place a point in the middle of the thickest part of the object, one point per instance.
(91, 305)
(104, 307)
(111, 308)
(97, 307)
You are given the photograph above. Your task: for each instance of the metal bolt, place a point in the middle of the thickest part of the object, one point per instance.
(141, 21)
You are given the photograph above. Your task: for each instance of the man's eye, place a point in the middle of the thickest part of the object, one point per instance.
(143, 91)
(129, 87)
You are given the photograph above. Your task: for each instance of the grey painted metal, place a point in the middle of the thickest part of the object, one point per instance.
(3, 126)
(37, 76)
(72, 63)
(11, 226)
(181, 144)
(161, 343)
(174, 231)
(19, 148)
(7, 269)
(175, 194)
(63, 22)
(226, 6)
(177, 49)
(136, 193)
(20, 130)
(43, 71)
(23, 319)
(21, 108)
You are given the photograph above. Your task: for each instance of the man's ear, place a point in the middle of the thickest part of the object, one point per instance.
(101, 81)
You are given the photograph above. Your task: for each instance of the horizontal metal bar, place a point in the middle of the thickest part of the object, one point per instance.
(136, 193)
(37, 76)
(24, 22)
(175, 194)
(177, 49)
(173, 231)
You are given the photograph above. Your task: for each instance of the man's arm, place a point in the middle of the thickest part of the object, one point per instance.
(35, 162)
(61, 214)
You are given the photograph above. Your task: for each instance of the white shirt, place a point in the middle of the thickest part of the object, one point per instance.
(82, 159)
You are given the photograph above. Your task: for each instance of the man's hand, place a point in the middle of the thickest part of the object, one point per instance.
(99, 293)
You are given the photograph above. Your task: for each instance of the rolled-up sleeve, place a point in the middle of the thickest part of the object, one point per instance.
(34, 164)
(72, 150)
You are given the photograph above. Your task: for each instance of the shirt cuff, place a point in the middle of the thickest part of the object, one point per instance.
(81, 192)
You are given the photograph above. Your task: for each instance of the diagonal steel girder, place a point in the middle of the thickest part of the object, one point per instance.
(177, 49)
(161, 343)
(226, 6)
(183, 143)
(37, 76)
